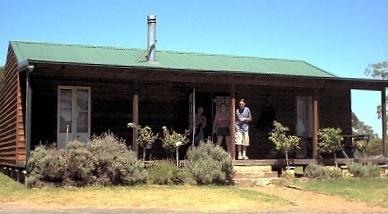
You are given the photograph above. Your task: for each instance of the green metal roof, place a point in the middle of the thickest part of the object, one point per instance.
(128, 57)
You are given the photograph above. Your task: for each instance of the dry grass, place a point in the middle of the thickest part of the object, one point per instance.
(180, 198)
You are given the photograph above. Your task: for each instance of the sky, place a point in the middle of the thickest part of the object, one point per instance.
(339, 36)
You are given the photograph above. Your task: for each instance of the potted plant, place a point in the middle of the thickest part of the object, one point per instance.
(172, 140)
(146, 137)
(283, 142)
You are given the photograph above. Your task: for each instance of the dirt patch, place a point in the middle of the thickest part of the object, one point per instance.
(306, 201)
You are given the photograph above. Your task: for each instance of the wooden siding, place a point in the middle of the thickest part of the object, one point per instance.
(334, 111)
(111, 107)
(12, 140)
(166, 103)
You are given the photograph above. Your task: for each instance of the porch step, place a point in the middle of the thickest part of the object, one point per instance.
(252, 182)
(254, 175)
(265, 168)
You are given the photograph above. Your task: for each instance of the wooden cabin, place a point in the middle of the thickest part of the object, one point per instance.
(61, 92)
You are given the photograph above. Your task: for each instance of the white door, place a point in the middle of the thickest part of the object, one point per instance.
(73, 115)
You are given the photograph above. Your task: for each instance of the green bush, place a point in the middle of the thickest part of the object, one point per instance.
(359, 170)
(80, 164)
(288, 175)
(332, 172)
(114, 163)
(166, 172)
(374, 147)
(372, 170)
(210, 164)
(53, 166)
(318, 171)
(314, 171)
(34, 165)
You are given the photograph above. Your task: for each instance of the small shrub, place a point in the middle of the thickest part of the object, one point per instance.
(166, 172)
(53, 166)
(34, 165)
(45, 164)
(127, 169)
(332, 172)
(80, 164)
(114, 163)
(356, 169)
(210, 164)
(314, 171)
(359, 170)
(288, 174)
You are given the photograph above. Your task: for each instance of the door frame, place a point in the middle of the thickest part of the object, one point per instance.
(73, 106)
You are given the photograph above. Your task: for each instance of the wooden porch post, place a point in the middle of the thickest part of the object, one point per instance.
(135, 121)
(232, 142)
(315, 124)
(193, 118)
(27, 119)
(384, 121)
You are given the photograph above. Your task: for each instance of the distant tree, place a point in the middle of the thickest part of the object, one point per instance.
(378, 71)
(1, 72)
(374, 147)
(359, 127)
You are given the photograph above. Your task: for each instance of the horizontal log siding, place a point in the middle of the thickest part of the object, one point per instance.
(166, 103)
(111, 107)
(12, 140)
(334, 111)
(111, 104)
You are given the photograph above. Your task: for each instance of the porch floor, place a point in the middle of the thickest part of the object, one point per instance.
(305, 162)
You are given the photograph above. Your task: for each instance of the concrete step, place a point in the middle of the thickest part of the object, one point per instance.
(253, 182)
(254, 175)
(253, 169)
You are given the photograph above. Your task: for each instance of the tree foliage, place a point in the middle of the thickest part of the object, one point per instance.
(2, 71)
(330, 141)
(378, 71)
(359, 127)
(282, 141)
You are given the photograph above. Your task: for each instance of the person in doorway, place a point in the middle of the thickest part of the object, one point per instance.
(200, 123)
(243, 117)
(221, 126)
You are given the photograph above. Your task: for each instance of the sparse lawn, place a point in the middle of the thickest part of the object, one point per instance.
(192, 198)
(370, 190)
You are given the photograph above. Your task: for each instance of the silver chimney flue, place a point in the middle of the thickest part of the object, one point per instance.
(151, 43)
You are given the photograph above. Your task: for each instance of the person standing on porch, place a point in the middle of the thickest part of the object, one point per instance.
(243, 117)
(221, 126)
(200, 123)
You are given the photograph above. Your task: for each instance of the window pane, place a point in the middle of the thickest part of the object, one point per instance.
(65, 110)
(82, 110)
(82, 100)
(82, 122)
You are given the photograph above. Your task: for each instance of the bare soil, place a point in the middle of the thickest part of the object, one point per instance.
(313, 202)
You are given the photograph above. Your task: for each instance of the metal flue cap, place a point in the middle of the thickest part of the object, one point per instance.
(151, 18)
